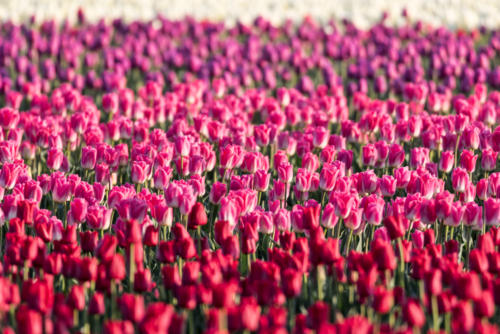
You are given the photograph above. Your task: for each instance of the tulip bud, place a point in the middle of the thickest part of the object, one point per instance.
(54, 159)
(217, 192)
(413, 314)
(89, 157)
(197, 216)
(488, 159)
(446, 161)
(116, 268)
(383, 300)
(462, 317)
(468, 161)
(96, 304)
(394, 226)
(76, 297)
(291, 282)
(89, 240)
(459, 179)
(492, 211)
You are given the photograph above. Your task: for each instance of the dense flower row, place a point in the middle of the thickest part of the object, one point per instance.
(190, 177)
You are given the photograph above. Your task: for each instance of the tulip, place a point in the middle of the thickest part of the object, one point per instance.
(344, 203)
(29, 321)
(468, 161)
(139, 172)
(96, 304)
(396, 156)
(373, 208)
(419, 157)
(492, 211)
(369, 155)
(261, 180)
(387, 185)
(78, 210)
(217, 192)
(282, 220)
(162, 177)
(9, 175)
(459, 179)
(197, 216)
(54, 159)
(328, 178)
(328, 217)
(8, 118)
(61, 190)
(98, 217)
(446, 161)
(455, 216)
(488, 159)
(394, 226)
(413, 314)
(132, 307)
(463, 317)
(89, 157)
(383, 300)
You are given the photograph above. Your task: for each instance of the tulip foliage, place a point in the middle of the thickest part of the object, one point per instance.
(189, 177)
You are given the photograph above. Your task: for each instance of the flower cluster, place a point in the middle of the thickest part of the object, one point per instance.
(191, 177)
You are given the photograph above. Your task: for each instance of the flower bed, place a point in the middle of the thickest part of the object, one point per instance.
(191, 177)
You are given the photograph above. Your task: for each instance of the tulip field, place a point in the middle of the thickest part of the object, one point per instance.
(190, 176)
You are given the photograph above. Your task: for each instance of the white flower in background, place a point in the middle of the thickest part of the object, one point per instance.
(452, 13)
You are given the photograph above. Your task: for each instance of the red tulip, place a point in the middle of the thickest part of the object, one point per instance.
(118, 327)
(383, 300)
(291, 282)
(96, 304)
(76, 297)
(132, 307)
(462, 317)
(116, 269)
(197, 217)
(29, 321)
(413, 314)
(394, 226)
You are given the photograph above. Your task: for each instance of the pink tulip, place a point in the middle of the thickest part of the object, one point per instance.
(492, 211)
(78, 210)
(446, 161)
(98, 217)
(387, 185)
(328, 177)
(370, 155)
(396, 156)
(54, 159)
(459, 179)
(456, 215)
(468, 161)
(261, 180)
(217, 192)
(140, 171)
(282, 220)
(61, 190)
(89, 156)
(344, 203)
(488, 159)
(373, 209)
(328, 218)
(473, 214)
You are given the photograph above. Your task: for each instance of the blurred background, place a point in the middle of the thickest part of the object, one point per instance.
(453, 13)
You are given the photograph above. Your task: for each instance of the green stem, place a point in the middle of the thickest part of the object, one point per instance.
(456, 150)
(131, 266)
(401, 263)
(435, 313)
(348, 245)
